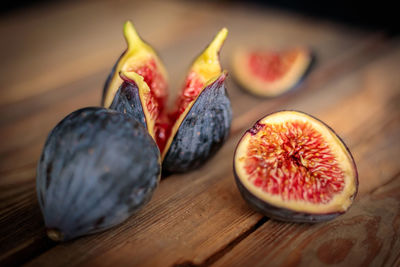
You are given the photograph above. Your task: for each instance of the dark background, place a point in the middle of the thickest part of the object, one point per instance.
(374, 15)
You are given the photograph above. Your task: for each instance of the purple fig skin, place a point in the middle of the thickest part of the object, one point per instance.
(202, 132)
(284, 214)
(127, 101)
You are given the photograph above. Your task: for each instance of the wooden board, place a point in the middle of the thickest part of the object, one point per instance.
(55, 60)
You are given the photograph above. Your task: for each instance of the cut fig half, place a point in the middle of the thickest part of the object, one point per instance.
(269, 73)
(199, 123)
(291, 166)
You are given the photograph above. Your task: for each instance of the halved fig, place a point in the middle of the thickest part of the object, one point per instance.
(269, 73)
(293, 167)
(199, 123)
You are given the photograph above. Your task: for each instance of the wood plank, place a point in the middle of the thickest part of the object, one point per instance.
(41, 232)
(30, 107)
(184, 226)
(368, 235)
(40, 118)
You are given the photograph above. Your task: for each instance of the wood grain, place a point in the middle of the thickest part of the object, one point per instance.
(65, 52)
(182, 232)
(367, 235)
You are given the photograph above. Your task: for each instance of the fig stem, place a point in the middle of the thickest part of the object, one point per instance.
(55, 234)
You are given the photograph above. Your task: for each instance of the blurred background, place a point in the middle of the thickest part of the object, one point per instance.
(369, 14)
(46, 33)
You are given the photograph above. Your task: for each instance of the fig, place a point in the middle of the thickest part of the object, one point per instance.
(196, 127)
(97, 168)
(292, 167)
(269, 73)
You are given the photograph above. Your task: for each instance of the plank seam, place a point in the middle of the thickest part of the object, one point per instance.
(391, 180)
(221, 252)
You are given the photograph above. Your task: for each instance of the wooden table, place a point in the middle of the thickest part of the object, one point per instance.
(55, 58)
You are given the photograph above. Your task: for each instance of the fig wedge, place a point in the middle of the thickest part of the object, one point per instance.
(201, 130)
(269, 73)
(199, 123)
(292, 167)
(140, 58)
(134, 98)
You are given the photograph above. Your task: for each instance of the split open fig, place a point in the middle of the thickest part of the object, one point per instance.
(199, 123)
(269, 73)
(97, 168)
(292, 167)
(139, 57)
